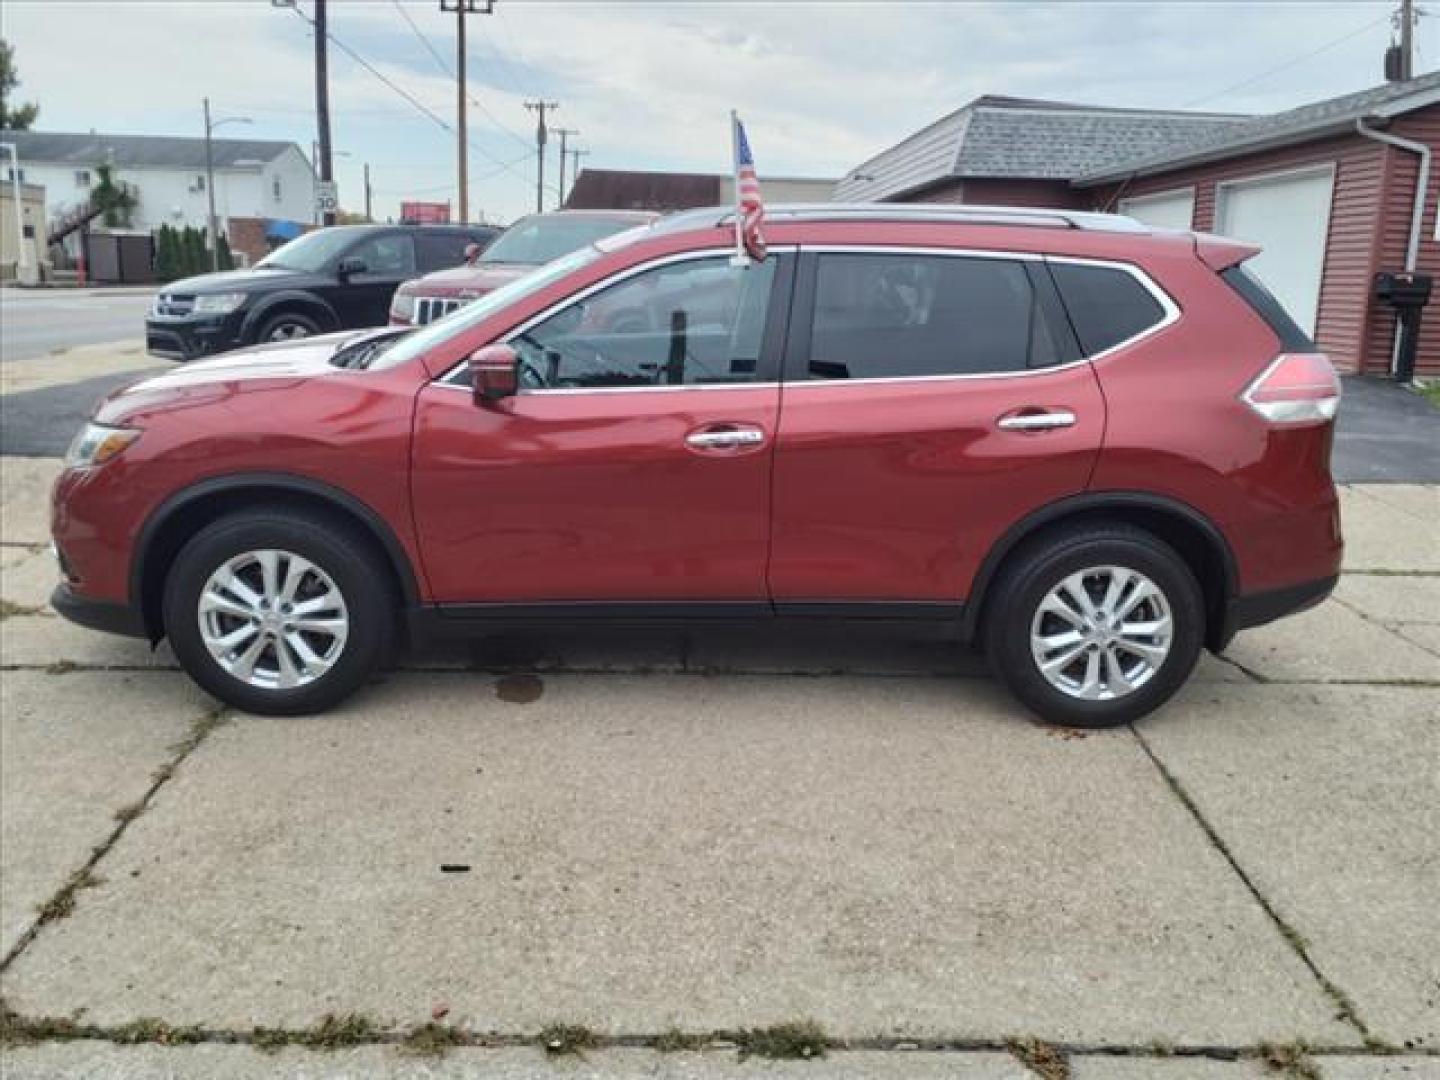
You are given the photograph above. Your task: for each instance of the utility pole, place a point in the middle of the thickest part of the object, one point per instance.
(575, 156)
(1407, 43)
(564, 133)
(368, 216)
(540, 107)
(461, 8)
(322, 102)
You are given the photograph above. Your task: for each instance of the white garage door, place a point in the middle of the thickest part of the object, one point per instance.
(1167, 210)
(1289, 216)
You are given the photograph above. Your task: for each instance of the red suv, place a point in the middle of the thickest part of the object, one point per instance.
(1091, 447)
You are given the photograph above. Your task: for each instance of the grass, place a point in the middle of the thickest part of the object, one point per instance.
(1289, 1060)
(796, 1039)
(1041, 1058)
(62, 904)
(432, 1039)
(150, 1030)
(1431, 391)
(562, 1039)
(672, 1040)
(9, 608)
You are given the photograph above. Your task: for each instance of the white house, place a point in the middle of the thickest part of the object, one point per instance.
(255, 179)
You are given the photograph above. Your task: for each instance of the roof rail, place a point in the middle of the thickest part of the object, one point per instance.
(1035, 216)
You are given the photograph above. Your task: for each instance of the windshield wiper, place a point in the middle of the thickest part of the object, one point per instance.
(361, 354)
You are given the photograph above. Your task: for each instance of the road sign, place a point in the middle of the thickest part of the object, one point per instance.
(327, 198)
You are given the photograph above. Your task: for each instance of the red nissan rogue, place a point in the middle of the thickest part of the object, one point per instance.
(1090, 447)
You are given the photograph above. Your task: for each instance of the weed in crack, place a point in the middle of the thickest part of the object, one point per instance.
(62, 904)
(432, 1039)
(561, 1039)
(334, 1032)
(1289, 1060)
(62, 667)
(796, 1039)
(9, 608)
(1041, 1058)
(672, 1040)
(271, 1040)
(148, 1029)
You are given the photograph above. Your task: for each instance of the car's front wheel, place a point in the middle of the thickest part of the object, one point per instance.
(278, 611)
(287, 326)
(1095, 627)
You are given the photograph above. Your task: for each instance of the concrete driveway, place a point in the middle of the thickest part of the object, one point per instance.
(667, 844)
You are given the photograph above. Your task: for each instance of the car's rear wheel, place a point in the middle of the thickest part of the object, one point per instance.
(1095, 627)
(278, 611)
(287, 326)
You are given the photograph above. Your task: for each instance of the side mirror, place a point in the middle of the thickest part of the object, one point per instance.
(350, 266)
(494, 373)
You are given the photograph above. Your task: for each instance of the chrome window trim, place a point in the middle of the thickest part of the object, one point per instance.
(605, 283)
(1167, 303)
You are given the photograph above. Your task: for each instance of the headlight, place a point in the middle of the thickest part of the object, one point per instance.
(218, 303)
(402, 306)
(96, 444)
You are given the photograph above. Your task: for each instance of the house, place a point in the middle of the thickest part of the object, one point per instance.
(1325, 189)
(32, 215)
(618, 189)
(257, 182)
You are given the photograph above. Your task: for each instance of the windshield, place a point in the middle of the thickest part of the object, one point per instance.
(311, 252)
(539, 238)
(458, 322)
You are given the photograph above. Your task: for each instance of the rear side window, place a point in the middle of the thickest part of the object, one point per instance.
(1264, 304)
(893, 316)
(1106, 305)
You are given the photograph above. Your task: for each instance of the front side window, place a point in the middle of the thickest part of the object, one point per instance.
(1107, 305)
(901, 315)
(699, 321)
(440, 251)
(392, 254)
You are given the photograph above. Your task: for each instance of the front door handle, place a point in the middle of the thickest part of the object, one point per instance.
(728, 437)
(1037, 420)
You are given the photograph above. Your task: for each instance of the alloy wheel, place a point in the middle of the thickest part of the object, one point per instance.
(1101, 633)
(273, 619)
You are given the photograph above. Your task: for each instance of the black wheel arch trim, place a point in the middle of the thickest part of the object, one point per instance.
(261, 482)
(1090, 502)
(288, 298)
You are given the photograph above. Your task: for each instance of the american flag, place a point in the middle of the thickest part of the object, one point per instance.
(750, 207)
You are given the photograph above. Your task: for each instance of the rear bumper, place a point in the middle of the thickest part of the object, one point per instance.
(1257, 609)
(108, 616)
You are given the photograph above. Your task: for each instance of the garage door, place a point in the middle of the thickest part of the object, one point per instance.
(1168, 210)
(1289, 216)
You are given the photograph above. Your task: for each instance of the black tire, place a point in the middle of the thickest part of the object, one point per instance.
(349, 560)
(1032, 572)
(288, 325)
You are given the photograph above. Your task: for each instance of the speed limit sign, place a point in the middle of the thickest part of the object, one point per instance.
(327, 200)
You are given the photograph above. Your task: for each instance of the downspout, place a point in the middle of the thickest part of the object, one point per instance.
(1422, 181)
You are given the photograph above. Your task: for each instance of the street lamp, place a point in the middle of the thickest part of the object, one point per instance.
(211, 125)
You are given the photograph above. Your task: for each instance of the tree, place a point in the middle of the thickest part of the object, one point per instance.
(115, 199)
(13, 117)
(167, 254)
(197, 258)
(222, 246)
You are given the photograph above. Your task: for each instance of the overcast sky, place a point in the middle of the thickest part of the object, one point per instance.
(820, 85)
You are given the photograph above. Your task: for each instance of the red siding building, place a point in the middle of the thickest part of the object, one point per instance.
(1331, 202)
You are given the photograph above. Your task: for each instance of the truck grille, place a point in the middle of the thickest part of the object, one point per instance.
(173, 304)
(430, 308)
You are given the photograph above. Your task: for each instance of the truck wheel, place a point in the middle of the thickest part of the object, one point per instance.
(1095, 627)
(278, 611)
(287, 326)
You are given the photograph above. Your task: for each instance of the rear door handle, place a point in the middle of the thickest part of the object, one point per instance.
(1046, 420)
(725, 438)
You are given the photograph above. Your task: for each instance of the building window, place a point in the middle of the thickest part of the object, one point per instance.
(199, 183)
(82, 178)
(10, 176)
(275, 188)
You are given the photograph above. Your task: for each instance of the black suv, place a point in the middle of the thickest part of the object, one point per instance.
(330, 279)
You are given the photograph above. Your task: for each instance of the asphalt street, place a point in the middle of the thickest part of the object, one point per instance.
(34, 323)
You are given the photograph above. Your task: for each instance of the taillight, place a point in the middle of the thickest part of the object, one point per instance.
(1297, 388)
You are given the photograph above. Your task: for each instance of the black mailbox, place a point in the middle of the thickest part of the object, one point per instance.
(1403, 290)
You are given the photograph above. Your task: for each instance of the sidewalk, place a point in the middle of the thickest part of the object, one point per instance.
(669, 840)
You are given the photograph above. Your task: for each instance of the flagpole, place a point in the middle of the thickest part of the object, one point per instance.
(741, 257)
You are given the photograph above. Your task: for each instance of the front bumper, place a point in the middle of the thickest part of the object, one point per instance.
(108, 616)
(192, 336)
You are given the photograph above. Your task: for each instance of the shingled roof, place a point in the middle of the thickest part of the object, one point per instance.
(1019, 138)
(138, 151)
(1332, 116)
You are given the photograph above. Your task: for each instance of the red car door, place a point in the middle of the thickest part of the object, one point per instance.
(931, 400)
(635, 463)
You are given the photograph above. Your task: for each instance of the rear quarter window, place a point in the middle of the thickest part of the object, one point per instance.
(1106, 305)
(1263, 302)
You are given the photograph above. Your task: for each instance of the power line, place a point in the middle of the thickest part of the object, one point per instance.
(1289, 63)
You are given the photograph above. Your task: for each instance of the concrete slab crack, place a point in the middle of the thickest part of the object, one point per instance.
(62, 903)
(1346, 1008)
